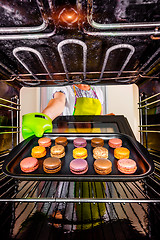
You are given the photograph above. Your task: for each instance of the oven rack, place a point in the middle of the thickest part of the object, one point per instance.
(146, 103)
(127, 200)
(136, 192)
(12, 106)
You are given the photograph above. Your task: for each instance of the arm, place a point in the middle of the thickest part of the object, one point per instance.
(55, 106)
(38, 123)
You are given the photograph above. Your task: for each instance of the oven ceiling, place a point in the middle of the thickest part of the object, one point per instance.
(47, 42)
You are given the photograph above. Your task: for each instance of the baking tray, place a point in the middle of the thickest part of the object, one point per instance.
(145, 165)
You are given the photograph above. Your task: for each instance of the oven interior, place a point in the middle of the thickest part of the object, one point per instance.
(56, 43)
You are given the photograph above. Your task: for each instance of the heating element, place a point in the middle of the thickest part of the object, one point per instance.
(122, 76)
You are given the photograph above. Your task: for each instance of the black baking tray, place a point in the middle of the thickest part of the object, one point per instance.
(145, 165)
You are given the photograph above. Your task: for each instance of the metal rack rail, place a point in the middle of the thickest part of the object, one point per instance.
(145, 104)
(11, 105)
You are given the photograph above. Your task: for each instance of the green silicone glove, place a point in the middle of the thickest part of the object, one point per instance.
(35, 124)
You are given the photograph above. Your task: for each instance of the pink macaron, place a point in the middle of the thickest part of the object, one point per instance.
(44, 142)
(115, 143)
(80, 142)
(29, 164)
(127, 166)
(78, 166)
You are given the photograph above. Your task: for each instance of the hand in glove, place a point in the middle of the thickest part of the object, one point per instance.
(35, 124)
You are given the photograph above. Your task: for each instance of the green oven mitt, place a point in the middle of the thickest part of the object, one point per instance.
(35, 124)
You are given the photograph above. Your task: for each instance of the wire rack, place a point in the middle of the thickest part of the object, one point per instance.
(131, 201)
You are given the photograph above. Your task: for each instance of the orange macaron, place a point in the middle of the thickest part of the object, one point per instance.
(38, 152)
(80, 153)
(121, 153)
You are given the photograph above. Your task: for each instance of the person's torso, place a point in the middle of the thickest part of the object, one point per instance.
(86, 102)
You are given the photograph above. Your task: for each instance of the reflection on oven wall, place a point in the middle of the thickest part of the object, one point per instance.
(120, 101)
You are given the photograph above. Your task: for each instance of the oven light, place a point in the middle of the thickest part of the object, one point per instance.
(68, 16)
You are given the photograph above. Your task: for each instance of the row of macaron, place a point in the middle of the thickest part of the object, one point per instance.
(80, 151)
(79, 165)
(80, 142)
(102, 166)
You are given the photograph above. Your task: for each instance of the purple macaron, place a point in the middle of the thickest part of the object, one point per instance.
(80, 142)
(78, 166)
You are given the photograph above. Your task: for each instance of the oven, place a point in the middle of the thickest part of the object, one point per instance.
(46, 44)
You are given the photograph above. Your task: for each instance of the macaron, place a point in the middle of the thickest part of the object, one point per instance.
(78, 166)
(102, 166)
(44, 142)
(52, 165)
(38, 152)
(80, 153)
(57, 151)
(100, 152)
(97, 142)
(80, 142)
(115, 142)
(127, 166)
(61, 141)
(29, 164)
(121, 153)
